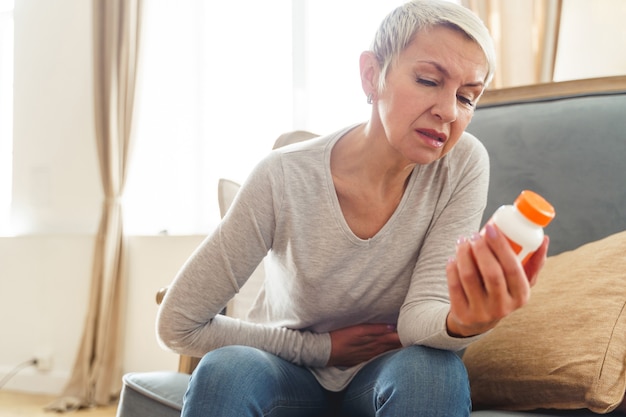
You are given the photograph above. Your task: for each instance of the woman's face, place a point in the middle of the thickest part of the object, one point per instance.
(430, 93)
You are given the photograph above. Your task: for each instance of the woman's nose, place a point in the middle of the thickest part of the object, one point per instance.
(446, 107)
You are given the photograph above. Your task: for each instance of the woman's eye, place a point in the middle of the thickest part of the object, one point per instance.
(426, 82)
(466, 101)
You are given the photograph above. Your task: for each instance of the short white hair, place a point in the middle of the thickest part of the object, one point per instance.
(400, 26)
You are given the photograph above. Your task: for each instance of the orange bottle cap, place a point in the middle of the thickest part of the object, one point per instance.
(535, 208)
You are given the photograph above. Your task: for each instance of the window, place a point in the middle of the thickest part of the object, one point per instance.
(215, 88)
(220, 81)
(6, 111)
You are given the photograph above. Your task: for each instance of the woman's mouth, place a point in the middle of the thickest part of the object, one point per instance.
(432, 137)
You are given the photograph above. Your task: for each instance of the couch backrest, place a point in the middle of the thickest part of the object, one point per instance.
(568, 146)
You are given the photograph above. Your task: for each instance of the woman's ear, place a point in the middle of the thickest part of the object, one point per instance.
(370, 71)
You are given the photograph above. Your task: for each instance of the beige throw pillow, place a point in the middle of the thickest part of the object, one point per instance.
(566, 349)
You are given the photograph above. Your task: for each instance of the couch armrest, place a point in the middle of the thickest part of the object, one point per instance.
(551, 90)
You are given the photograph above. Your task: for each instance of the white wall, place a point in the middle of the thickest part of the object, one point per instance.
(43, 296)
(592, 40)
(45, 270)
(55, 174)
(43, 303)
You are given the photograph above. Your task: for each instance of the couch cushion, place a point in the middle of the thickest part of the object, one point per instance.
(566, 348)
(153, 394)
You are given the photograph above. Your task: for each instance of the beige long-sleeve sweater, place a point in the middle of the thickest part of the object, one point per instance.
(319, 275)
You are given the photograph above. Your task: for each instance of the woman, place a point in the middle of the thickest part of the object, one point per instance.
(369, 290)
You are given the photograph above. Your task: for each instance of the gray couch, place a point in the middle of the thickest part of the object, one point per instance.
(566, 141)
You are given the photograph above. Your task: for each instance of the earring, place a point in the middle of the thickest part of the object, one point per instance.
(370, 98)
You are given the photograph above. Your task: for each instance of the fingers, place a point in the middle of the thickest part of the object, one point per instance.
(385, 336)
(468, 271)
(469, 298)
(379, 337)
(501, 270)
(536, 261)
(355, 344)
(458, 294)
(375, 329)
(486, 282)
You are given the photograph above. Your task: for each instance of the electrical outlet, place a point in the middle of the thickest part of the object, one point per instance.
(44, 362)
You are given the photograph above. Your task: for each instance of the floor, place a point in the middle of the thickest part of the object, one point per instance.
(31, 405)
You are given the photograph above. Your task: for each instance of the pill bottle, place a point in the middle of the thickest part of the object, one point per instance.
(522, 222)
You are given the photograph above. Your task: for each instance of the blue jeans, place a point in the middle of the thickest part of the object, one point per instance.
(241, 381)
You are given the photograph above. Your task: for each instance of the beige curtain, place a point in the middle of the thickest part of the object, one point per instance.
(526, 38)
(96, 376)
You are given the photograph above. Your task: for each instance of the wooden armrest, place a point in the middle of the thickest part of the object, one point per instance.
(186, 364)
(160, 294)
(553, 89)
